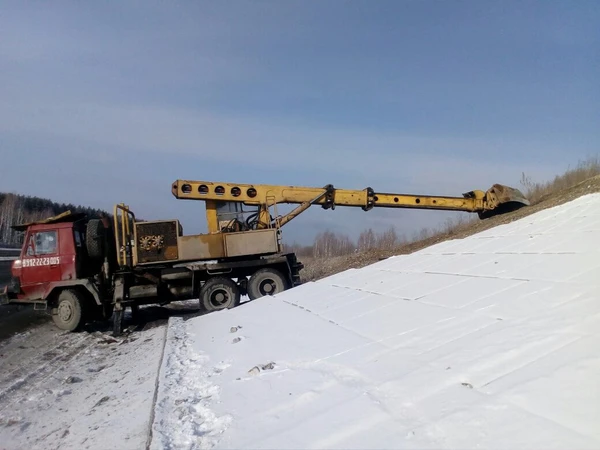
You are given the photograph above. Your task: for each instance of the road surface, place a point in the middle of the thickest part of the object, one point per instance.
(15, 318)
(83, 390)
(72, 390)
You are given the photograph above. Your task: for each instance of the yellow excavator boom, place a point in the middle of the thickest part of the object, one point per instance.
(496, 200)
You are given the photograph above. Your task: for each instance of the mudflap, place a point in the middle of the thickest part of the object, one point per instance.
(4, 298)
(7, 295)
(118, 320)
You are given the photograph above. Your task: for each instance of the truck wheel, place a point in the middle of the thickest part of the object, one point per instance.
(266, 282)
(69, 310)
(95, 239)
(219, 293)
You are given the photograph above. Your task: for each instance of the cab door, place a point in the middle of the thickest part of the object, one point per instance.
(40, 264)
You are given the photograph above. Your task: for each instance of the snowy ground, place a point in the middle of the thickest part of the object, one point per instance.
(487, 342)
(78, 390)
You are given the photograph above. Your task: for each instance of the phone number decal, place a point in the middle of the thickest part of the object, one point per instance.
(34, 262)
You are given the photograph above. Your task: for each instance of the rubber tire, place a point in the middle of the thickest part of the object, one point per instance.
(281, 283)
(95, 239)
(219, 283)
(75, 302)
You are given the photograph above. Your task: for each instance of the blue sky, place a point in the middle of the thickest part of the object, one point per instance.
(118, 99)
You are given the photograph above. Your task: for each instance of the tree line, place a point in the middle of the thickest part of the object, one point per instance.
(16, 209)
(328, 243)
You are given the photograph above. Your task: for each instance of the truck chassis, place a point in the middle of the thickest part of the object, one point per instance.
(82, 270)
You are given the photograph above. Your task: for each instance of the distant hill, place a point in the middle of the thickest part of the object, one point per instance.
(15, 208)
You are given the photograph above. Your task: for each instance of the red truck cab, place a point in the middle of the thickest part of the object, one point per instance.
(56, 268)
(49, 255)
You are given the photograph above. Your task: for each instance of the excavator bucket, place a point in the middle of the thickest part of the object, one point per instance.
(502, 199)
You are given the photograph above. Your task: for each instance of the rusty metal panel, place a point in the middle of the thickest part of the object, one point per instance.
(201, 246)
(157, 241)
(251, 242)
(506, 194)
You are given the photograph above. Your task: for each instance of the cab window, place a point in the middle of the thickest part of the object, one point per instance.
(42, 243)
(78, 238)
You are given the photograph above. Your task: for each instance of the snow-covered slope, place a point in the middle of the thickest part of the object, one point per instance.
(489, 341)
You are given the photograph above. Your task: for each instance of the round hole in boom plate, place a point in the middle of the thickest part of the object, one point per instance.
(418, 200)
(236, 191)
(251, 192)
(376, 198)
(396, 199)
(186, 188)
(203, 189)
(219, 190)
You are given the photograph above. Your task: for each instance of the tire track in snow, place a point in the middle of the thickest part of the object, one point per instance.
(41, 374)
(23, 371)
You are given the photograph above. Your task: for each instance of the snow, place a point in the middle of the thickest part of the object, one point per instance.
(488, 341)
(78, 390)
(185, 387)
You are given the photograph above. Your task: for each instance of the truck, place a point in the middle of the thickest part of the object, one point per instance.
(82, 269)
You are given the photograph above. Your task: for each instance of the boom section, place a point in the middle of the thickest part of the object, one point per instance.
(263, 194)
(327, 196)
(473, 203)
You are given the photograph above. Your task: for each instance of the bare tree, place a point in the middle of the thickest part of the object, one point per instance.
(15, 208)
(344, 245)
(367, 240)
(11, 212)
(387, 239)
(328, 244)
(298, 249)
